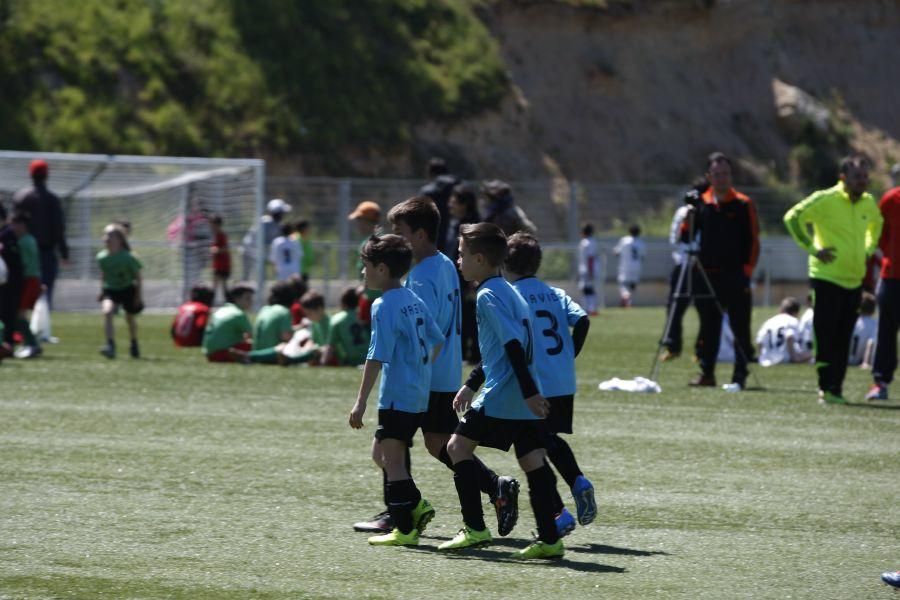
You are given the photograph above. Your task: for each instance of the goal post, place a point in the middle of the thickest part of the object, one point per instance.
(168, 202)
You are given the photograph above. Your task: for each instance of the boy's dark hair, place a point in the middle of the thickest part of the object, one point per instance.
(283, 293)
(300, 287)
(467, 195)
(486, 239)
(523, 254)
(390, 250)
(301, 225)
(21, 216)
(717, 157)
(587, 230)
(216, 219)
(312, 300)
(867, 304)
(437, 166)
(635, 230)
(855, 161)
(239, 289)
(349, 299)
(418, 212)
(287, 229)
(202, 294)
(117, 231)
(790, 306)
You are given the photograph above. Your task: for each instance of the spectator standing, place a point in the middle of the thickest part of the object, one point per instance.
(11, 291)
(440, 189)
(846, 225)
(888, 292)
(503, 211)
(366, 216)
(31, 283)
(221, 257)
(631, 253)
(269, 226)
(307, 260)
(463, 208)
(728, 233)
(589, 280)
(285, 254)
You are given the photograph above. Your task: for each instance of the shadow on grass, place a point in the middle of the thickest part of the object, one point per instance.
(503, 556)
(873, 405)
(604, 549)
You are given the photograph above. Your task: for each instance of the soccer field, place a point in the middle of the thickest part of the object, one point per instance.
(169, 477)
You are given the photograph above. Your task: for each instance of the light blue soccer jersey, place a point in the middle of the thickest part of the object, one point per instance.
(552, 313)
(503, 316)
(403, 334)
(436, 282)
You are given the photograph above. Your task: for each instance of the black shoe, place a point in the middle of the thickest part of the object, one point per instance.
(703, 381)
(135, 350)
(380, 523)
(507, 504)
(109, 351)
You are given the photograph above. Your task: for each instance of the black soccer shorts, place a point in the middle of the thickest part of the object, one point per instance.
(398, 425)
(440, 417)
(524, 434)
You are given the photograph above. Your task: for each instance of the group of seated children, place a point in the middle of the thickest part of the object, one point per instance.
(292, 328)
(785, 338)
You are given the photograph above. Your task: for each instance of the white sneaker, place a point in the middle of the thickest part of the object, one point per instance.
(731, 387)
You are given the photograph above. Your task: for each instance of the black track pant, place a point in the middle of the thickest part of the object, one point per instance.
(888, 324)
(835, 311)
(732, 290)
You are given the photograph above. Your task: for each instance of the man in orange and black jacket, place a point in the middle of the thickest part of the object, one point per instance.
(728, 231)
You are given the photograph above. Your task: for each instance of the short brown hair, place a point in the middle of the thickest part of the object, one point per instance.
(717, 157)
(523, 254)
(790, 306)
(486, 239)
(418, 212)
(390, 250)
(867, 304)
(349, 298)
(312, 300)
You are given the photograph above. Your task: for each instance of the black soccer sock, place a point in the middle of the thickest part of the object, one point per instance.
(487, 479)
(403, 496)
(466, 479)
(444, 457)
(25, 329)
(560, 454)
(384, 487)
(541, 488)
(408, 461)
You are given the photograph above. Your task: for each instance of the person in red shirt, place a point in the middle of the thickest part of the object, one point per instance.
(190, 322)
(221, 257)
(888, 293)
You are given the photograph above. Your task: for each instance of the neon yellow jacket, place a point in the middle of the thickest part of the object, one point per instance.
(835, 222)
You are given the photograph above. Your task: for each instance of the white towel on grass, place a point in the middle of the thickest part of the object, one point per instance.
(638, 384)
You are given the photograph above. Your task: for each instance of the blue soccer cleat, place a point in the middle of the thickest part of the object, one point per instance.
(585, 505)
(565, 523)
(891, 578)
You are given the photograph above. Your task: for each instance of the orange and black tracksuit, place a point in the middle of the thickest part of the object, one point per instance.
(728, 235)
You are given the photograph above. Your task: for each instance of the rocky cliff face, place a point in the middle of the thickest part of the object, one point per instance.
(643, 94)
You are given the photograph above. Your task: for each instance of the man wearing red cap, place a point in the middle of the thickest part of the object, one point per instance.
(48, 224)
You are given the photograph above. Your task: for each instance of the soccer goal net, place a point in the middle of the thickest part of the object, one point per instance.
(168, 203)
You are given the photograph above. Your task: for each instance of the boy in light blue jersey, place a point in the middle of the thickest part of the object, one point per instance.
(510, 410)
(555, 349)
(403, 334)
(435, 280)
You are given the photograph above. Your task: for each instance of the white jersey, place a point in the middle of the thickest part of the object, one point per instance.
(679, 248)
(631, 253)
(588, 261)
(866, 329)
(285, 254)
(805, 329)
(773, 339)
(726, 342)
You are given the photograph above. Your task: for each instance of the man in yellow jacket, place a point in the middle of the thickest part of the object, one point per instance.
(839, 227)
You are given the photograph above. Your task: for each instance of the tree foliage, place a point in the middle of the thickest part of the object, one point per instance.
(214, 77)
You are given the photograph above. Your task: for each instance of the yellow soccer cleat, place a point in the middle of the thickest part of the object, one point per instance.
(422, 515)
(539, 549)
(468, 538)
(396, 538)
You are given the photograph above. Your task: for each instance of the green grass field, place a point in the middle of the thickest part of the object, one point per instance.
(172, 478)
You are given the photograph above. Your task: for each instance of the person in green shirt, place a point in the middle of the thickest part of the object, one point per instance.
(839, 228)
(348, 340)
(313, 304)
(308, 258)
(229, 332)
(273, 324)
(120, 286)
(31, 284)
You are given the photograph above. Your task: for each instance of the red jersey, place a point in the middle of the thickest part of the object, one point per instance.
(221, 262)
(890, 234)
(189, 324)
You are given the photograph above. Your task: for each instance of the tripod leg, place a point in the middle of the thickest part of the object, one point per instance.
(670, 315)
